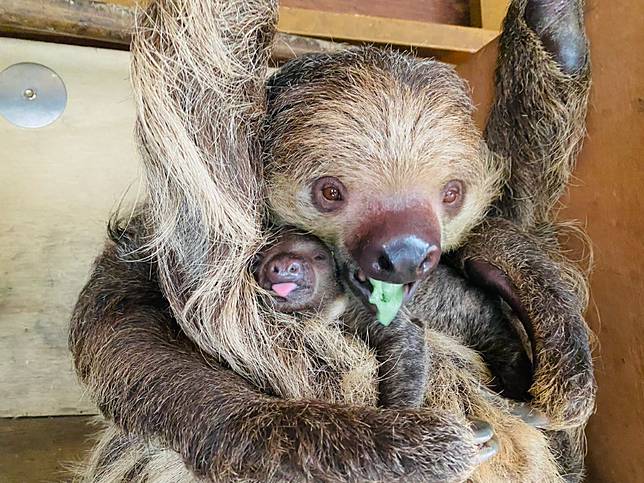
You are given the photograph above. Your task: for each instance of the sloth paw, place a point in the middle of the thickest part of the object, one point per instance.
(559, 24)
(486, 442)
(566, 404)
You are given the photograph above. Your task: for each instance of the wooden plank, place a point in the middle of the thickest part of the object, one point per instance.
(42, 449)
(454, 12)
(362, 28)
(58, 187)
(109, 22)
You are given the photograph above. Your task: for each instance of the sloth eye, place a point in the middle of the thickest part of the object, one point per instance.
(331, 193)
(453, 194)
(328, 194)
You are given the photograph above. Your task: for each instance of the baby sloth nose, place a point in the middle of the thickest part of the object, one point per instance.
(402, 260)
(285, 268)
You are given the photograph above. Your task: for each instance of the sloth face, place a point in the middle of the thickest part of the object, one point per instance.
(299, 271)
(376, 153)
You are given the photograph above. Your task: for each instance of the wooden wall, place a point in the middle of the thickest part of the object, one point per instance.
(58, 186)
(607, 196)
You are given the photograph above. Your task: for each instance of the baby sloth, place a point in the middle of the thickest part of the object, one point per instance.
(300, 272)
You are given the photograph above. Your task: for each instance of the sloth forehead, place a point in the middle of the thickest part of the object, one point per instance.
(380, 139)
(382, 111)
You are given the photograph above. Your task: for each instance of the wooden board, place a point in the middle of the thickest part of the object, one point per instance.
(34, 450)
(488, 14)
(455, 12)
(362, 28)
(58, 187)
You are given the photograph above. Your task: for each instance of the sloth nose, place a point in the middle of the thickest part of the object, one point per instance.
(402, 260)
(397, 247)
(285, 268)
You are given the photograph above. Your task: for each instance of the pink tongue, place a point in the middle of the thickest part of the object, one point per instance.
(283, 289)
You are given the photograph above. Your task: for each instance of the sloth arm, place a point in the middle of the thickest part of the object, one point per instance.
(536, 124)
(151, 381)
(547, 295)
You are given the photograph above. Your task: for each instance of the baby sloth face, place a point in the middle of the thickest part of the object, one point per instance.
(299, 271)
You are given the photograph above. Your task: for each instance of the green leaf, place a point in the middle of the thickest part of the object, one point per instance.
(388, 298)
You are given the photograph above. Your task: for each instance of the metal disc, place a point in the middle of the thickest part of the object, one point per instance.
(31, 95)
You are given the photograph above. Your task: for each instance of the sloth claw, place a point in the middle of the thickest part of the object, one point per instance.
(529, 415)
(484, 438)
(489, 449)
(482, 431)
(559, 24)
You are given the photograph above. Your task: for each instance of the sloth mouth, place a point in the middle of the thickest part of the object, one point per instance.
(362, 288)
(291, 299)
(294, 291)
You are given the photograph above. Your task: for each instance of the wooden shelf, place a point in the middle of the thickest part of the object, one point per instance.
(404, 33)
(301, 29)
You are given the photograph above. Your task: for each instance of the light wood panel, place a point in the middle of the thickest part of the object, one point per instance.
(58, 186)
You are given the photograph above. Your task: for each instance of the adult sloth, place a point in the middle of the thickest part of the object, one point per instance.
(375, 153)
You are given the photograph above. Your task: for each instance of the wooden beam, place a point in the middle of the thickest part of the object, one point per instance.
(453, 12)
(110, 22)
(363, 28)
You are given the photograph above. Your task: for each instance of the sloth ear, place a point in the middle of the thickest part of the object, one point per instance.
(493, 280)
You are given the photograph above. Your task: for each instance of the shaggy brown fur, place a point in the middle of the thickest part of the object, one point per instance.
(174, 390)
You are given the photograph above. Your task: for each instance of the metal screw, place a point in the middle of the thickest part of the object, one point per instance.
(29, 94)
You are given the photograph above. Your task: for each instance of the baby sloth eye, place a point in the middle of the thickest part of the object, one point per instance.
(328, 194)
(453, 194)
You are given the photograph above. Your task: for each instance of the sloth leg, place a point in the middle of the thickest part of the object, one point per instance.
(449, 303)
(402, 354)
(568, 446)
